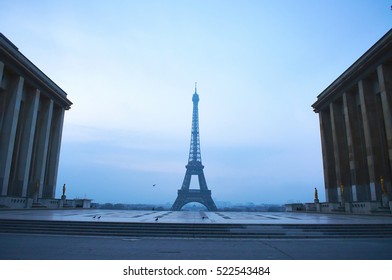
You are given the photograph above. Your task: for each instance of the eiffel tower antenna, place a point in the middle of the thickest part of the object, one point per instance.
(194, 167)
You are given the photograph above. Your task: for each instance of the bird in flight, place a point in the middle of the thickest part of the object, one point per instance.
(154, 185)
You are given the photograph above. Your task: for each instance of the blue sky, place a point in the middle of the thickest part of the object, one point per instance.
(129, 67)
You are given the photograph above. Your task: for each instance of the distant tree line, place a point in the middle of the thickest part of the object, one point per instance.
(121, 206)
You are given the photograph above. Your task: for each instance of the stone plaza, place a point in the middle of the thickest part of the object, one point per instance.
(192, 217)
(169, 235)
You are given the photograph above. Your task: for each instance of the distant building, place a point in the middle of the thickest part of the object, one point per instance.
(31, 122)
(355, 114)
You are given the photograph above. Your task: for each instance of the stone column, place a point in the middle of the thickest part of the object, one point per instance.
(2, 98)
(367, 101)
(335, 150)
(341, 160)
(384, 74)
(26, 148)
(1, 73)
(2, 106)
(349, 113)
(42, 142)
(54, 152)
(328, 159)
(7, 140)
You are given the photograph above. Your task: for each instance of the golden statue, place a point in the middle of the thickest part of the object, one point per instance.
(64, 189)
(341, 189)
(383, 189)
(315, 194)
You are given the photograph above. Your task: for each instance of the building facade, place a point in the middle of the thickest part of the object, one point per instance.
(31, 121)
(355, 114)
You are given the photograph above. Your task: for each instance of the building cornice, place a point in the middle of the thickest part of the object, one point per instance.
(355, 71)
(23, 64)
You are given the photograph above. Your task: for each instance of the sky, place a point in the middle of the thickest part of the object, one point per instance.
(129, 67)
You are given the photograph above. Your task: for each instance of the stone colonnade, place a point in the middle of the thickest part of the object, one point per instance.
(31, 121)
(356, 134)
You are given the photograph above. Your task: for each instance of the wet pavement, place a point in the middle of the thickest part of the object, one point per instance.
(50, 247)
(145, 216)
(15, 246)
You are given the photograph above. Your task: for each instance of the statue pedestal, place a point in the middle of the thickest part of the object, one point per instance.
(347, 207)
(316, 201)
(341, 207)
(62, 201)
(35, 198)
(385, 200)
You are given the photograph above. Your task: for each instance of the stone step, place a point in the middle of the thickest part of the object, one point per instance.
(194, 230)
(103, 226)
(382, 210)
(38, 206)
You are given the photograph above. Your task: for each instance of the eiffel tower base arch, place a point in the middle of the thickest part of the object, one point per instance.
(199, 196)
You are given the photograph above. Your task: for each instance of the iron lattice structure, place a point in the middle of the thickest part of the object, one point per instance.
(194, 167)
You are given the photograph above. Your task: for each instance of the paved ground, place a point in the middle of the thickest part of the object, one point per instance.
(49, 247)
(45, 247)
(194, 217)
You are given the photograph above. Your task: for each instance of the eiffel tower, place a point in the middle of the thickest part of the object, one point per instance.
(194, 167)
